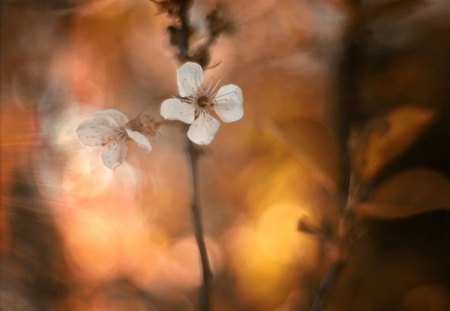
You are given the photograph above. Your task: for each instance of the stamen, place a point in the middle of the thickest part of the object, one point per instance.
(213, 91)
(209, 85)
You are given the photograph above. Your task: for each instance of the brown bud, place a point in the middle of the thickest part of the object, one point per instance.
(144, 124)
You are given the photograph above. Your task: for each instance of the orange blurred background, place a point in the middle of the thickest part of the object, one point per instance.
(133, 224)
(123, 239)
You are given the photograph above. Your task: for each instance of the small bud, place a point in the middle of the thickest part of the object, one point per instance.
(305, 226)
(145, 125)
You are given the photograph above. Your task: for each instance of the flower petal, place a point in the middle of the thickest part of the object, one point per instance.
(101, 127)
(175, 109)
(189, 78)
(203, 130)
(112, 116)
(228, 104)
(140, 139)
(114, 154)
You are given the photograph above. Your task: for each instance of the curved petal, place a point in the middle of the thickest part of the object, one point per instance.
(111, 116)
(189, 78)
(203, 130)
(175, 109)
(101, 127)
(228, 104)
(140, 139)
(114, 154)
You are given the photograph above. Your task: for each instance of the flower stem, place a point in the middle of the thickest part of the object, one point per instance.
(193, 154)
(183, 53)
(205, 289)
(326, 284)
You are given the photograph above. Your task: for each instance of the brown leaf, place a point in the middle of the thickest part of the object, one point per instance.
(385, 139)
(432, 297)
(409, 193)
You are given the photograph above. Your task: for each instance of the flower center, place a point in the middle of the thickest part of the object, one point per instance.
(203, 101)
(118, 135)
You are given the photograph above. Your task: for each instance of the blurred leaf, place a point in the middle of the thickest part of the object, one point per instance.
(220, 20)
(312, 144)
(432, 297)
(385, 139)
(409, 193)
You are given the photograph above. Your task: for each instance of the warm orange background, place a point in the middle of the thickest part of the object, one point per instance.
(126, 235)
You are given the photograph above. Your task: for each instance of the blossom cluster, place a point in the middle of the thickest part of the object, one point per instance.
(194, 105)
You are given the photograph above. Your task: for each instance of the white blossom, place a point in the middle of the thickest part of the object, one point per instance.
(196, 104)
(111, 129)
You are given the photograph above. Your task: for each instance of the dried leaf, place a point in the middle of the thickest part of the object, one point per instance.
(385, 139)
(409, 193)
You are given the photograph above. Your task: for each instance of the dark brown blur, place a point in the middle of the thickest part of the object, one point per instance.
(317, 77)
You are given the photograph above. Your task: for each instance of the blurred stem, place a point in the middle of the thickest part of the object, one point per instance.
(183, 48)
(193, 154)
(345, 193)
(325, 285)
(204, 294)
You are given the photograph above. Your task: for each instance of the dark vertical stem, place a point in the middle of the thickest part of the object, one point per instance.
(193, 154)
(183, 47)
(204, 294)
(347, 98)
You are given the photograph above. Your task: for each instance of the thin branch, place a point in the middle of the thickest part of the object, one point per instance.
(193, 153)
(346, 96)
(326, 284)
(204, 294)
(183, 49)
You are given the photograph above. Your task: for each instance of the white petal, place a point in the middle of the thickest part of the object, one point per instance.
(101, 127)
(175, 109)
(140, 139)
(189, 78)
(203, 130)
(114, 154)
(229, 103)
(112, 116)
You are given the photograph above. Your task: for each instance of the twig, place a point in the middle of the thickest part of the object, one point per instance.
(326, 284)
(204, 294)
(193, 154)
(183, 52)
(342, 129)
